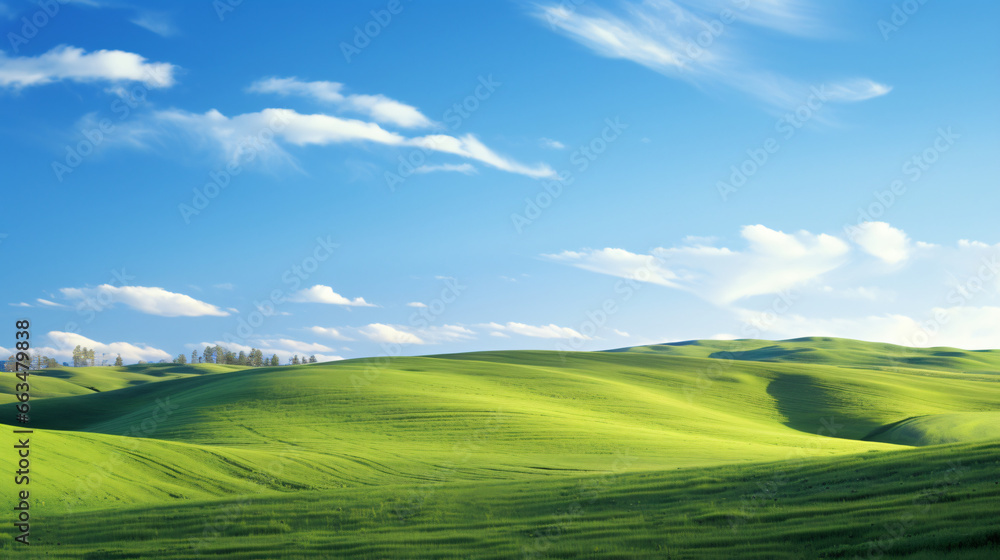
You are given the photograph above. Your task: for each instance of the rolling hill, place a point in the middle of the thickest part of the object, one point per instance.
(481, 447)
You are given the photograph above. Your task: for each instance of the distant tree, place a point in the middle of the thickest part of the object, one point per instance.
(312, 359)
(256, 358)
(66, 364)
(11, 363)
(242, 358)
(207, 354)
(181, 359)
(89, 356)
(274, 360)
(78, 356)
(194, 356)
(50, 362)
(140, 362)
(118, 361)
(295, 360)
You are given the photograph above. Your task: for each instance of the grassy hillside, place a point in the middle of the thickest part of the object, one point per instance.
(936, 502)
(64, 382)
(481, 445)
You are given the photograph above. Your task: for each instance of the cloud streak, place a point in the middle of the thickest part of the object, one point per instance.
(150, 300)
(692, 41)
(74, 64)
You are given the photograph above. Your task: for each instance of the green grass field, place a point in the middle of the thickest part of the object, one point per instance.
(805, 448)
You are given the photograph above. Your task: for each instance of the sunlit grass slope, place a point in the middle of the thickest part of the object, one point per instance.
(481, 447)
(64, 381)
(929, 503)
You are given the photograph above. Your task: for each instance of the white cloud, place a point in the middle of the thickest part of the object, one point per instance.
(416, 304)
(49, 303)
(388, 334)
(618, 262)
(466, 168)
(966, 327)
(329, 332)
(550, 143)
(325, 294)
(774, 261)
(157, 22)
(400, 334)
(851, 91)
(66, 341)
(378, 107)
(151, 300)
(668, 38)
(540, 331)
(294, 345)
(883, 241)
(20, 304)
(235, 136)
(72, 63)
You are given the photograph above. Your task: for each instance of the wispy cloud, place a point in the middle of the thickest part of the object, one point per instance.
(157, 22)
(379, 108)
(401, 334)
(691, 41)
(74, 64)
(231, 135)
(325, 294)
(151, 300)
(466, 168)
(550, 143)
(534, 331)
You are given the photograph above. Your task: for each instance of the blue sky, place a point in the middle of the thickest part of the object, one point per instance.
(371, 178)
